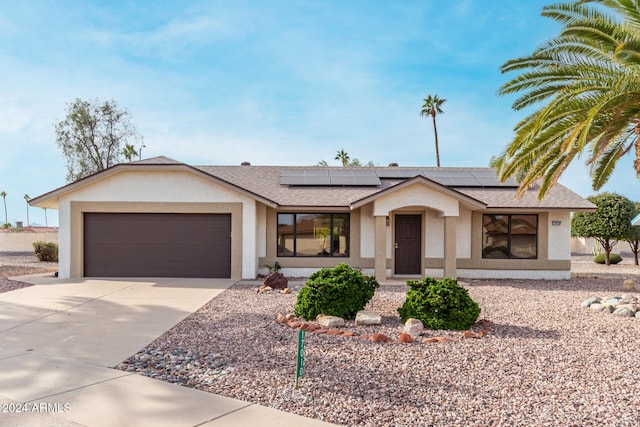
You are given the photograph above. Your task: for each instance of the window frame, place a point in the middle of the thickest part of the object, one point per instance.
(332, 248)
(509, 234)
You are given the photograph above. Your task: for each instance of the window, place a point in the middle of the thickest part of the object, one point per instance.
(313, 234)
(510, 236)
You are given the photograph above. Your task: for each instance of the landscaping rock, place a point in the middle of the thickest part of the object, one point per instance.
(471, 334)
(626, 305)
(327, 321)
(586, 303)
(622, 312)
(379, 338)
(367, 317)
(405, 338)
(629, 286)
(276, 280)
(281, 318)
(633, 308)
(413, 327)
(436, 339)
(262, 289)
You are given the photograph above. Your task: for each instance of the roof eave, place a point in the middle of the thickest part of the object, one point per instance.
(50, 199)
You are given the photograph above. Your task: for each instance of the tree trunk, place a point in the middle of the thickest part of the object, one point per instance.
(435, 132)
(636, 162)
(608, 247)
(635, 248)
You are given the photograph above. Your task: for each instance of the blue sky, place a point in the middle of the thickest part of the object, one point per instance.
(269, 82)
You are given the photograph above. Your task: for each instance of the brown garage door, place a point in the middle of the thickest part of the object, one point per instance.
(157, 245)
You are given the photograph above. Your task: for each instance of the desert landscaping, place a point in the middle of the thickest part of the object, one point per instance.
(544, 360)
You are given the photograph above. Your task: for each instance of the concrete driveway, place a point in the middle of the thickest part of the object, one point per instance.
(59, 342)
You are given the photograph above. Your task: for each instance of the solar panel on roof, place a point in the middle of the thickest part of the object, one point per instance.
(350, 177)
(371, 177)
(452, 178)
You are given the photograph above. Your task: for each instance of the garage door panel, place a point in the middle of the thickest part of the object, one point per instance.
(157, 245)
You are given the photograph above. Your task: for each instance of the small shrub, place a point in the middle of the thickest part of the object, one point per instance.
(340, 291)
(613, 259)
(439, 304)
(46, 251)
(275, 267)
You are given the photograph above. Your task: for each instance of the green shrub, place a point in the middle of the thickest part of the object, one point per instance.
(439, 304)
(613, 259)
(46, 251)
(341, 291)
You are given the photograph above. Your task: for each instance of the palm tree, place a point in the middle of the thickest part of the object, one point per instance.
(26, 199)
(3, 194)
(129, 152)
(432, 106)
(343, 157)
(588, 81)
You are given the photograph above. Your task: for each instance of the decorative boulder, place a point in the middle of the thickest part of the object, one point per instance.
(413, 327)
(329, 321)
(629, 286)
(276, 280)
(366, 317)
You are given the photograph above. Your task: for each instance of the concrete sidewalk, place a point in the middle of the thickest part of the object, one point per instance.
(59, 342)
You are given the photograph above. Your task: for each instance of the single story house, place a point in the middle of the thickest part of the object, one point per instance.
(163, 218)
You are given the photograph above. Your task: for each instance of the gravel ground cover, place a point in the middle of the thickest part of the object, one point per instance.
(20, 264)
(547, 361)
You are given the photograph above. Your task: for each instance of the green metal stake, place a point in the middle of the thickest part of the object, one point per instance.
(300, 356)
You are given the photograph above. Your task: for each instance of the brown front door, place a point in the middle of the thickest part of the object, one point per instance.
(407, 244)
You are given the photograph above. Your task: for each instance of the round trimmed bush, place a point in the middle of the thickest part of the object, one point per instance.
(613, 259)
(439, 304)
(340, 291)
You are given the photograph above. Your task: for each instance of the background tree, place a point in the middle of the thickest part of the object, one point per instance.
(92, 134)
(129, 152)
(346, 161)
(588, 79)
(633, 238)
(431, 107)
(26, 199)
(3, 194)
(343, 157)
(610, 223)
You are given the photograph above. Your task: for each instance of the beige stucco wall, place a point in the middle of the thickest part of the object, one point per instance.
(560, 238)
(417, 194)
(158, 191)
(589, 246)
(367, 232)
(22, 241)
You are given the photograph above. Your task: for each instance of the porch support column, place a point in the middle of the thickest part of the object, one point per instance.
(450, 237)
(381, 248)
